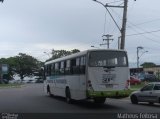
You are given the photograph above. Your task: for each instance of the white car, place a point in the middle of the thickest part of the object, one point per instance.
(149, 93)
(15, 81)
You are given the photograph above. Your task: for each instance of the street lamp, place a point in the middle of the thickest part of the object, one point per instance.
(143, 53)
(138, 57)
(138, 48)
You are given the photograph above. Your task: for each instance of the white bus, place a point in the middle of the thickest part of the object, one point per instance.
(94, 74)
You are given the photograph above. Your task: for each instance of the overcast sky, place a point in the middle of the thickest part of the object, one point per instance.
(38, 26)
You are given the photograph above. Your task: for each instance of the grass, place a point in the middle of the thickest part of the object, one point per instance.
(10, 85)
(138, 86)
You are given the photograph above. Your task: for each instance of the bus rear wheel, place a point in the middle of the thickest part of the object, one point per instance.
(68, 96)
(151, 103)
(49, 91)
(100, 100)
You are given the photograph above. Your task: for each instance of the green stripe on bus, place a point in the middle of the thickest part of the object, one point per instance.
(109, 94)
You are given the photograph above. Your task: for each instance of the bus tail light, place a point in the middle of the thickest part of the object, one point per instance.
(90, 88)
(89, 83)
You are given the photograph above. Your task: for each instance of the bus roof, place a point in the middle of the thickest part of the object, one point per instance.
(79, 54)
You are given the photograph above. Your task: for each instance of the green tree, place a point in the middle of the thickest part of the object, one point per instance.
(74, 51)
(11, 63)
(61, 53)
(26, 65)
(148, 64)
(23, 64)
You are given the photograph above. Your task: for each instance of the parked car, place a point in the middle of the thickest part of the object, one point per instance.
(39, 80)
(141, 76)
(3, 81)
(13, 81)
(149, 93)
(134, 81)
(150, 78)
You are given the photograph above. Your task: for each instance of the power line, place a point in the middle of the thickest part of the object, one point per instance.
(146, 22)
(142, 34)
(147, 32)
(149, 38)
(142, 29)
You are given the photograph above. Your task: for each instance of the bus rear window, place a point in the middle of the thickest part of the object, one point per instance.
(107, 58)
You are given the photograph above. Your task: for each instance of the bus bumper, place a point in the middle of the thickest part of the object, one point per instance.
(109, 94)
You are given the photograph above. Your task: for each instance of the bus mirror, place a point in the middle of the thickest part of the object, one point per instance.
(42, 68)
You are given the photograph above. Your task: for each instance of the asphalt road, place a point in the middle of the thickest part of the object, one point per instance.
(31, 99)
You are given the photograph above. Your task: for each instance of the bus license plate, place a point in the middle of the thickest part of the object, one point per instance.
(108, 78)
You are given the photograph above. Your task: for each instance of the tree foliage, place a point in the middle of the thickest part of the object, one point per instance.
(61, 53)
(25, 65)
(22, 64)
(148, 64)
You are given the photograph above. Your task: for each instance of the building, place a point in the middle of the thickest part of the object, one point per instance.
(153, 70)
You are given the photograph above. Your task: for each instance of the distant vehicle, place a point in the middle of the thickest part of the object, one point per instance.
(39, 80)
(134, 81)
(31, 81)
(13, 81)
(149, 93)
(92, 74)
(4, 81)
(24, 81)
(141, 76)
(150, 78)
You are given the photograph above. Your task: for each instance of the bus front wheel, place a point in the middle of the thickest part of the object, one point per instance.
(49, 91)
(68, 95)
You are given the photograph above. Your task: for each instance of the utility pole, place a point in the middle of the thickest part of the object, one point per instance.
(107, 39)
(123, 29)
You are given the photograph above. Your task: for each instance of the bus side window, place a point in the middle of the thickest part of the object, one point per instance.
(48, 73)
(82, 65)
(73, 66)
(62, 68)
(53, 69)
(45, 69)
(77, 68)
(67, 67)
(57, 68)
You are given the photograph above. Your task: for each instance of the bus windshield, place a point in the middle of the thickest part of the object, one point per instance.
(108, 58)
